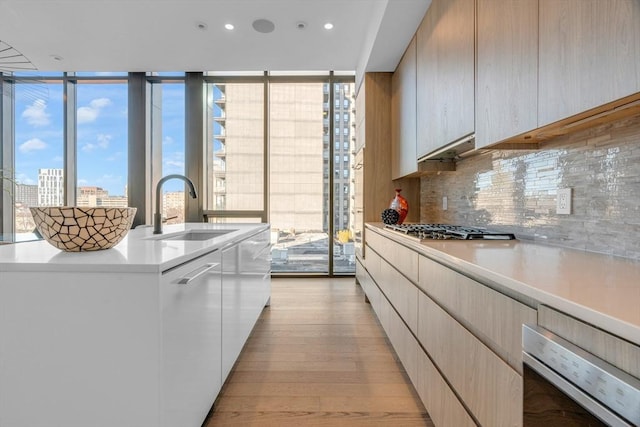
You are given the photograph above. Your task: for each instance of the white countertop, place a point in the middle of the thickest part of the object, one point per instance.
(599, 289)
(139, 251)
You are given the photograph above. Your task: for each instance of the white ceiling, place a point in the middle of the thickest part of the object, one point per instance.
(162, 35)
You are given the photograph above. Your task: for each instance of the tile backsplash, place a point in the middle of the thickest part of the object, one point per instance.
(516, 190)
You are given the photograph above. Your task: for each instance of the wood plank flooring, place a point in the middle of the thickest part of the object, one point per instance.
(318, 357)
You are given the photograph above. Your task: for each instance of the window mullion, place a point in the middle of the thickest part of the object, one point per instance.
(70, 148)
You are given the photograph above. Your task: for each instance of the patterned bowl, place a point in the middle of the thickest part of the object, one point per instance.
(76, 229)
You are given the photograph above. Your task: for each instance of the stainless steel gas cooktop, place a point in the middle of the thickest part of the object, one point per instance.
(446, 231)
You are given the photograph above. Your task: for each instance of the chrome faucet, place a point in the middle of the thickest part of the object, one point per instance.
(157, 216)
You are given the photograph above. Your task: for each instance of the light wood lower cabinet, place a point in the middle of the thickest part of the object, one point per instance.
(403, 341)
(402, 258)
(443, 406)
(495, 318)
(490, 388)
(401, 293)
(458, 339)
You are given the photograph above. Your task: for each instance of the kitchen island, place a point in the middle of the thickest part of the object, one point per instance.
(454, 310)
(143, 334)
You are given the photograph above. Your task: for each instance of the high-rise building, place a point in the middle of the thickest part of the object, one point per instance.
(50, 187)
(26, 195)
(343, 138)
(301, 120)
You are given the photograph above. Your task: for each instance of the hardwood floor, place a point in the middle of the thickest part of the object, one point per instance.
(318, 357)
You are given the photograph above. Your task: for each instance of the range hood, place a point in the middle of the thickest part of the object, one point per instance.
(452, 151)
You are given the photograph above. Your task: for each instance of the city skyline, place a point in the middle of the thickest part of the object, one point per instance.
(101, 129)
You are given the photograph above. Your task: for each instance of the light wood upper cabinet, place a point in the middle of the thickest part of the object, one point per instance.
(373, 127)
(507, 69)
(445, 74)
(589, 55)
(403, 115)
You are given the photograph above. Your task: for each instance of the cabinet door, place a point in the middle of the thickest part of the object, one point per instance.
(245, 291)
(589, 55)
(507, 67)
(445, 74)
(191, 338)
(403, 115)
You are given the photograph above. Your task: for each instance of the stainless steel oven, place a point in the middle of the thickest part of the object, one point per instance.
(567, 386)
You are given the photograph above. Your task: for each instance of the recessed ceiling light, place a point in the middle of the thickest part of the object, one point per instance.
(229, 26)
(301, 25)
(328, 26)
(263, 26)
(56, 57)
(201, 26)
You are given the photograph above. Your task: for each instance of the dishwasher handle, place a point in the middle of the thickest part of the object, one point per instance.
(191, 276)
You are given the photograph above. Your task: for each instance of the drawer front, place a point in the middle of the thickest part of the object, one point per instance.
(402, 258)
(495, 318)
(620, 353)
(372, 262)
(402, 294)
(254, 253)
(441, 403)
(368, 286)
(490, 388)
(404, 343)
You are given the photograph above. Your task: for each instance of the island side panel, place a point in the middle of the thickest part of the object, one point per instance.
(79, 349)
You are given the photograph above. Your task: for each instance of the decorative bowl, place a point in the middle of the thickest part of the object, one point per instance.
(77, 229)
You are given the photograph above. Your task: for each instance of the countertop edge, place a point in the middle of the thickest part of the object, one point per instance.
(117, 259)
(613, 325)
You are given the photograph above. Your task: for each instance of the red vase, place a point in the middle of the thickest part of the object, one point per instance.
(400, 204)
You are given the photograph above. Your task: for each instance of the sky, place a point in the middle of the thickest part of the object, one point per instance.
(102, 133)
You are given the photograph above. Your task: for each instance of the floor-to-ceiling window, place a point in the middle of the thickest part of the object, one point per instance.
(268, 148)
(101, 119)
(167, 135)
(277, 148)
(38, 149)
(344, 137)
(298, 189)
(235, 150)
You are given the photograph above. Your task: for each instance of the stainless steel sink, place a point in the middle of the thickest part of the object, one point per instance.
(194, 235)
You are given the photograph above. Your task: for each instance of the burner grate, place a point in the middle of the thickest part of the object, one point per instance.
(448, 231)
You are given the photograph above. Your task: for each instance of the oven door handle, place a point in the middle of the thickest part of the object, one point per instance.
(586, 401)
(610, 393)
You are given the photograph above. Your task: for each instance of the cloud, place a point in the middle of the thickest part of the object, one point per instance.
(102, 142)
(36, 113)
(33, 144)
(167, 140)
(116, 156)
(174, 163)
(24, 179)
(90, 113)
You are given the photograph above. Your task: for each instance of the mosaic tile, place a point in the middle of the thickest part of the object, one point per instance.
(515, 190)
